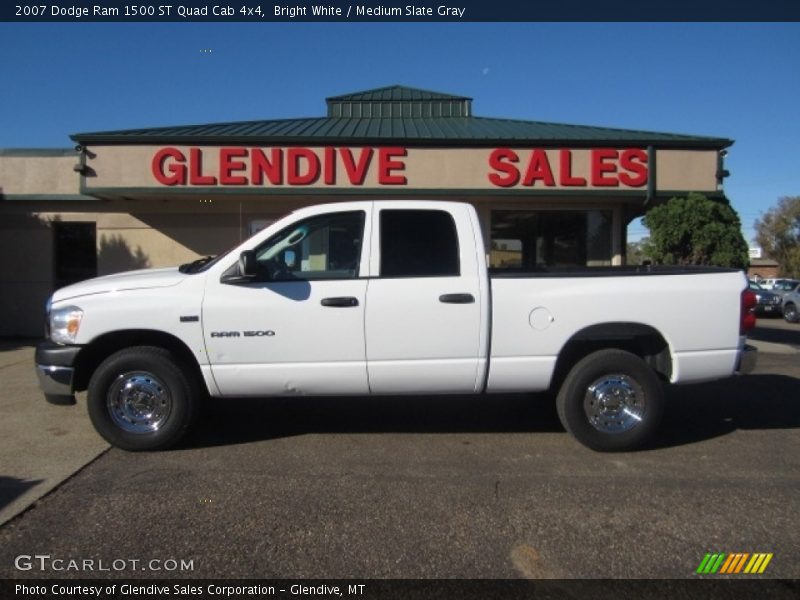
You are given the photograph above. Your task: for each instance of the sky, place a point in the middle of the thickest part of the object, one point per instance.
(732, 80)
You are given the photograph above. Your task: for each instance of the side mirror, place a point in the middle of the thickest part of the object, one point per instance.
(244, 271)
(248, 266)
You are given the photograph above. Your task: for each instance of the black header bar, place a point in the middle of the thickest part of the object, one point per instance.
(335, 11)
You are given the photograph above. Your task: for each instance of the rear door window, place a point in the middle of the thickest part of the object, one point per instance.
(418, 243)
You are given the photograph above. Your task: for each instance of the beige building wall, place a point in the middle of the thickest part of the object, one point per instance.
(51, 175)
(126, 242)
(686, 170)
(26, 273)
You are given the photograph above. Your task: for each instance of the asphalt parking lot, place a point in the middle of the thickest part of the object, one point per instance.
(487, 487)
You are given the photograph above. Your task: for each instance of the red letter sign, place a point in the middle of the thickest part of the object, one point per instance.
(497, 162)
(228, 166)
(196, 176)
(539, 169)
(565, 171)
(272, 167)
(600, 167)
(386, 165)
(635, 163)
(295, 176)
(176, 169)
(356, 172)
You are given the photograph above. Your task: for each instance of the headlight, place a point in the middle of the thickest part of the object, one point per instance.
(64, 324)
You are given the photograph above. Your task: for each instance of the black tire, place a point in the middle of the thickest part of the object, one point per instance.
(620, 380)
(131, 382)
(790, 313)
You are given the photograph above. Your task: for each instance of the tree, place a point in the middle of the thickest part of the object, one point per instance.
(636, 254)
(696, 231)
(778, 234)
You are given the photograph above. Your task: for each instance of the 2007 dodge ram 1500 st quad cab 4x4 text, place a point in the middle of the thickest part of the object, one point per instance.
(388, 297)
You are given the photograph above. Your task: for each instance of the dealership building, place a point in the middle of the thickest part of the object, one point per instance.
(547, 194)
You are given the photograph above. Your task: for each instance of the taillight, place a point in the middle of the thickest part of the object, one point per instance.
(748, 317)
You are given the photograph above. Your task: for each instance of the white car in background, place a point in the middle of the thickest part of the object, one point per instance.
(765, 284)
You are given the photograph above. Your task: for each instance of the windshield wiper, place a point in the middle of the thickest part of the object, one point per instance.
(193, 266)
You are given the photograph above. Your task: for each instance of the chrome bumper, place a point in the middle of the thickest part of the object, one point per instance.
(55, 380)
(55, 371)
(748, 356)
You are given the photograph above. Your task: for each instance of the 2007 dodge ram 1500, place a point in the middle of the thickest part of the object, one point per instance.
(388, 297)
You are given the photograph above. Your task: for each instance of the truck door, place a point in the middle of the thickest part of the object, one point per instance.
(298, 328)
(424, 302)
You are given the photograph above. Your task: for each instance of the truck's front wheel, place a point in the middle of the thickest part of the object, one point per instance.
(611, 400)
(140, 399)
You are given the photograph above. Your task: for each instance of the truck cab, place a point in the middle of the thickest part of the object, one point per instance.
(373, 298)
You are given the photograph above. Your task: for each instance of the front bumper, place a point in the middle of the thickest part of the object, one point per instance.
(55, 369)
(748, 356)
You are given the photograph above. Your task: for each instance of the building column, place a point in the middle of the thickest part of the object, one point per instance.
(618, 236)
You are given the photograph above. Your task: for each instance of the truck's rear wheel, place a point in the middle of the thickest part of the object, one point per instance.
(140, 399)
(611, 400)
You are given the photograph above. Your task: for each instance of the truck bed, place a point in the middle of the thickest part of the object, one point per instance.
(534, 318)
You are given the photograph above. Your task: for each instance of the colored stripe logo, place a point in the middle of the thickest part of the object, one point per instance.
(734, 563)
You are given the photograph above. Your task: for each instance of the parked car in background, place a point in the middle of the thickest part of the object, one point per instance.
(791, 302)
(768, 302)
(784, 286)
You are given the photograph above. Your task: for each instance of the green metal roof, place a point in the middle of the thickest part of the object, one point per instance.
(398, 101)
(398, 115)
(394, 93)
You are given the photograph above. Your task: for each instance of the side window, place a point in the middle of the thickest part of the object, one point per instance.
(323, 247)
(418, 243)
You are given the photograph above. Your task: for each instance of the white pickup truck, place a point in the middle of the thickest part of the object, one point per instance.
(388, 297)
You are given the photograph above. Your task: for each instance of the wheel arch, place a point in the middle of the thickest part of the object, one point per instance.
(644, 341)
(107, 344)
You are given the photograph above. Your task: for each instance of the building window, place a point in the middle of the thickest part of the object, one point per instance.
(530, 240)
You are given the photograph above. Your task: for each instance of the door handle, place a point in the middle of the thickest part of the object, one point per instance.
(457, 298)
(341, 301)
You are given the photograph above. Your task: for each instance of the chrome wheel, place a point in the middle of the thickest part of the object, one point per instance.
(790, 313)
(614, 403)
(139, 402)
